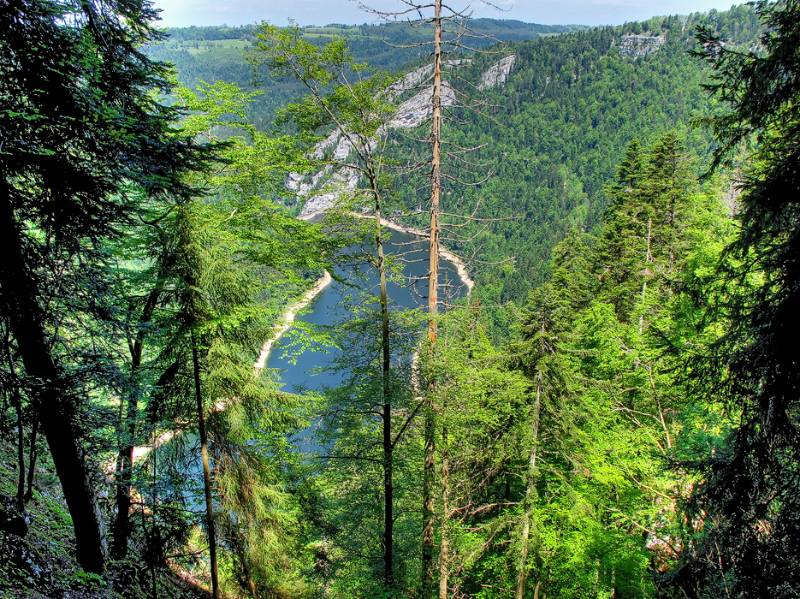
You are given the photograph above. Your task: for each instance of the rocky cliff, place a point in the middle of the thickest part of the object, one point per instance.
(323, 189)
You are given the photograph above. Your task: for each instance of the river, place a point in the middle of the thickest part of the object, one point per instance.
(311, 368)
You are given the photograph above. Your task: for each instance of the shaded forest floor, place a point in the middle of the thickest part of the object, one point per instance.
(37, 549)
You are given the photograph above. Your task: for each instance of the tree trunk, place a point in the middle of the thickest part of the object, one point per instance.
(20, 452)
(32, 458)
(530, 494)
(433, 302)
(444, 541)
(386, 357)
(648, 260)
(52, 400)
(16, 399)
(125, 458)
(201, 426)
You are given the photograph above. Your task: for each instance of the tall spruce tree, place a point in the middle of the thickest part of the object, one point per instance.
(79, 127)
(748, 506)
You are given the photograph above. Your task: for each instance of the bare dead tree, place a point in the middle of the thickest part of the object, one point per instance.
(438, 15)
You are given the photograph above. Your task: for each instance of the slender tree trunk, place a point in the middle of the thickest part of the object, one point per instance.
(154, 501)
(20, 451)
(530, 494)
(433, 304)
(121, 530)
(16, 399)
(52, 400)
(648, 260)
(32, 458)
(427, 503)
(201, 426)
(125, 458)
(386, 357)
(444, 541)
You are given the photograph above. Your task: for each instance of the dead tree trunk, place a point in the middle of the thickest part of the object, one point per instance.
(444, 541)
(433, 304)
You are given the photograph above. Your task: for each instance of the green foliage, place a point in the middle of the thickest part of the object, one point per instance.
(745, 513)
(223, 257)
(218, 53)
(551, 139)
(593, 396)
(635, 416)
(83, 137)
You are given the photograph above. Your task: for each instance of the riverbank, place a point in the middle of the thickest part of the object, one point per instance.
(451, 257)
(288, 318)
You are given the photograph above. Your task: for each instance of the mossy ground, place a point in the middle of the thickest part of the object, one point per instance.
(41, 564)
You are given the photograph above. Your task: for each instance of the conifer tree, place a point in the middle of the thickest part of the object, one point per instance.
(747, 505)
(223, 255)
(79, 125)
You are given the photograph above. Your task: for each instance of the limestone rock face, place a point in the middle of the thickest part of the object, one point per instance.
(322, 190)
(414, 111)
(639, 46)
(498, 73)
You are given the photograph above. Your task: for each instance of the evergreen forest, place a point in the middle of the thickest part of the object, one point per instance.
(434, 306)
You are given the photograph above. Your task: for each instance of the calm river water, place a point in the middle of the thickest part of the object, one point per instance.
(310, 369)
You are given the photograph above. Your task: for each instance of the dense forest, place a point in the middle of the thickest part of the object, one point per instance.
(216, 53)
(551, 136)
(289, 312)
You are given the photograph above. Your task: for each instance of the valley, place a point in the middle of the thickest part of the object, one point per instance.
(429, 306)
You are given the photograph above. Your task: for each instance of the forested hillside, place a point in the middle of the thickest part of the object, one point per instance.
(551, 136)
(219, 53)
(320, 319)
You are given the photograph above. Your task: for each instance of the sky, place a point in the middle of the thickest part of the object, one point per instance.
(180, 13)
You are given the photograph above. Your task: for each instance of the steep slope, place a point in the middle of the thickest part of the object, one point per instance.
(218, 53)
(550, 137)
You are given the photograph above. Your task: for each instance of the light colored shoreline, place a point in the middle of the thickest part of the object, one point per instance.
(290, 315)
(288, 318)
(454, 259)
